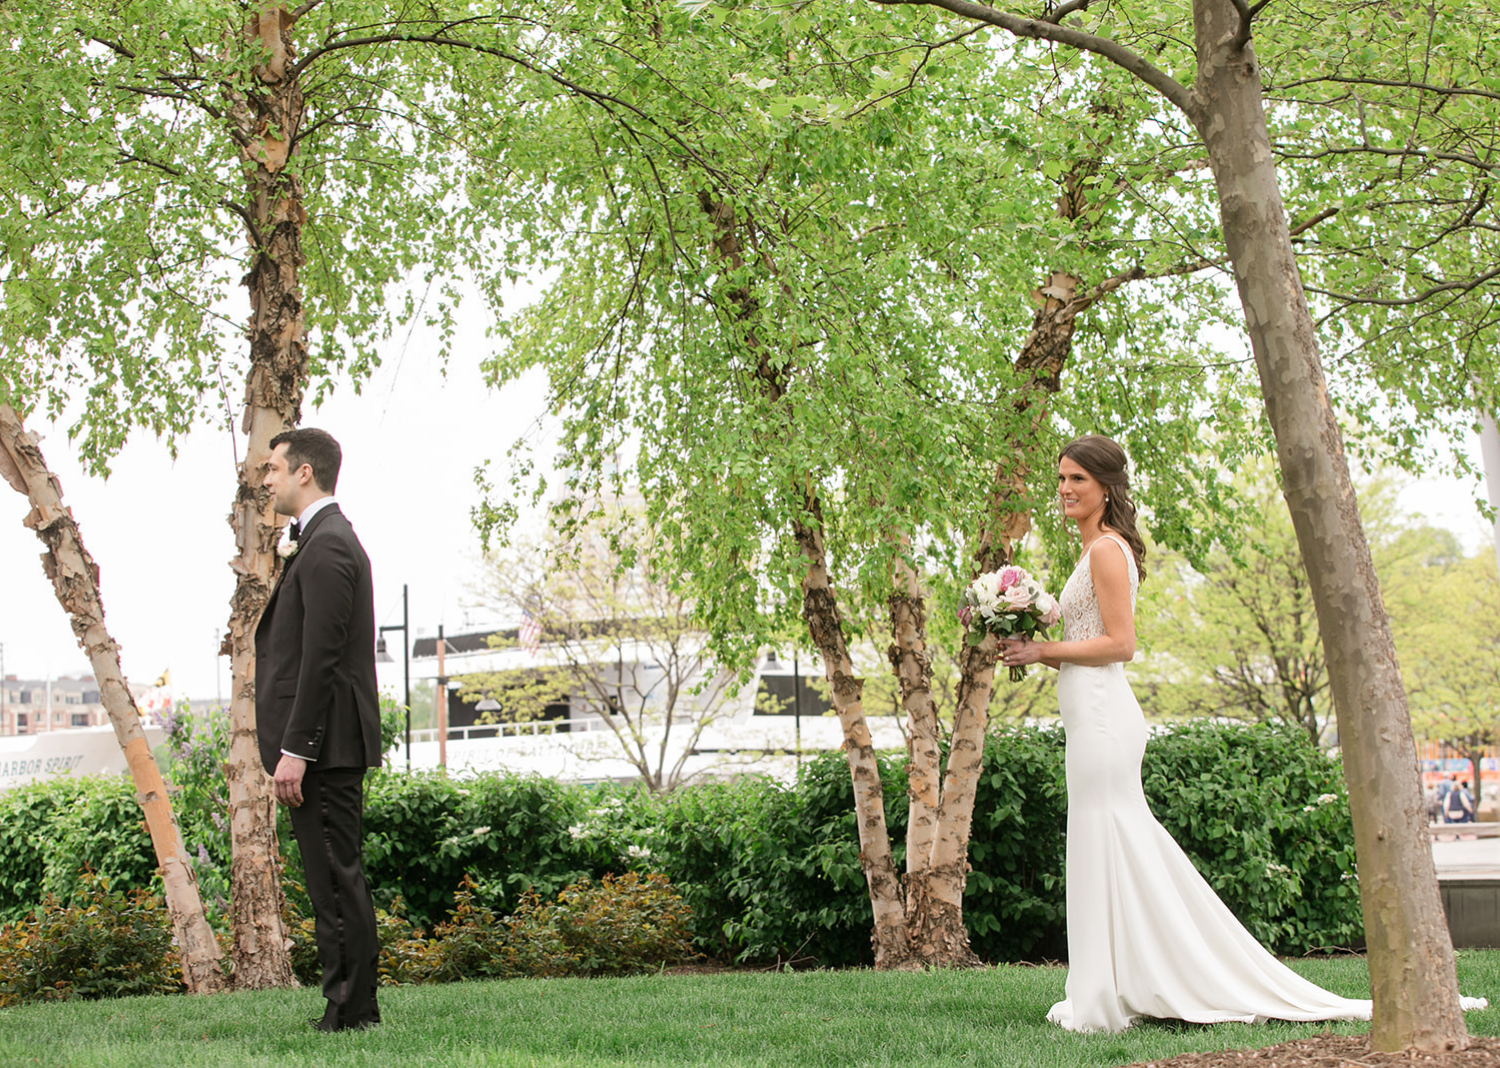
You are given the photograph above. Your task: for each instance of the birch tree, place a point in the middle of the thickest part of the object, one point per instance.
(75, 577)
(158, 141)
(812, 385)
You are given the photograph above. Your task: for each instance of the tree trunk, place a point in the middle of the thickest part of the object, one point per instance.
(825, 624)
(1410, 953)
(75, 577)
(913, 669)
(937, 866)
(944, 939)
(263, 123)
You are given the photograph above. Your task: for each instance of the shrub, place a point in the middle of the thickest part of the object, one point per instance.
(425, 833)
(196, 750)
(622, 926)
(772, 872)
(619, 927)
(108, 944)
(27, 814)
(1014, 901)
(51, 831)
(477, 943)
(1264, 815)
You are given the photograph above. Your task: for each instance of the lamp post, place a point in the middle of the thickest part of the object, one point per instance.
(440, 701)
(385, 658)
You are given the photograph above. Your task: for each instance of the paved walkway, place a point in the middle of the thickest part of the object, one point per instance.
(1473, 858)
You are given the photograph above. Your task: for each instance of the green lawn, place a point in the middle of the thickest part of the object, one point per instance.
(992, 1017)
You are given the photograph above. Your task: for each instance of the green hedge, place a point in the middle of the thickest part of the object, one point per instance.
(52, 832)
(772, 872)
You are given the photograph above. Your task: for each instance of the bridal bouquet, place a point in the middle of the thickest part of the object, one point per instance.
(1008, 603)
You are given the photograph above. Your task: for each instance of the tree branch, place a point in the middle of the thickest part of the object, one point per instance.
(1247, 15)
(1464, 286)
(1062, 11)
(1040, 30)
(606, 100)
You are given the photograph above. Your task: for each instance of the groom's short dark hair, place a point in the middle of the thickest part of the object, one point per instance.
(316, 448)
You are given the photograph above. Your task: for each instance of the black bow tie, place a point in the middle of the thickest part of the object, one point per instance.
(296, 530)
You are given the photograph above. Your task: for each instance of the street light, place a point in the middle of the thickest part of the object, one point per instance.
(383, 657)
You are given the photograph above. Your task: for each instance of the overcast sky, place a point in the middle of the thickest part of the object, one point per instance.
(411, 442)
(158, 531)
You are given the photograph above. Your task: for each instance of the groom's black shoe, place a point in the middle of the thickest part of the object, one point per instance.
(327, 1025)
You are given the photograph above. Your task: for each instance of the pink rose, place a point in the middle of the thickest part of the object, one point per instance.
(1049, 608)
(1017, 597)
(1009, 576)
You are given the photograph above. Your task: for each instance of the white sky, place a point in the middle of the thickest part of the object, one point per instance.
(411, 442)
(158, 530)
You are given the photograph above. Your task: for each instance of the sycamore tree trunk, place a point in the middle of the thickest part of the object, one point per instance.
(263, 123)
(75, 578)
(825, 624)
(1410, 953)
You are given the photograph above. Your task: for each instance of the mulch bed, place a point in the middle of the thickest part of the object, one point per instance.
(1335, 1051)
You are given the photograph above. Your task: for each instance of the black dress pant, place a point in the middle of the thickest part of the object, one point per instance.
(328, 827)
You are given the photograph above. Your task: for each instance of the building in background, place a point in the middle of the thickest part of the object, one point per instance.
(68, 702)
(35, 706)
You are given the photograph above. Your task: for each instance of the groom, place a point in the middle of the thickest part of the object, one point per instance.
(317, 716)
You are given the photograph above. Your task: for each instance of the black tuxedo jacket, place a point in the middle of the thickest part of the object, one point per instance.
(315, 689)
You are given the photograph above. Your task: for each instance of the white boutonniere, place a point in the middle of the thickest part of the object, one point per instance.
(286, 549)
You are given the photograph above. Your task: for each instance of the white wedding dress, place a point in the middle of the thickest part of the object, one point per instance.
(1147, 935)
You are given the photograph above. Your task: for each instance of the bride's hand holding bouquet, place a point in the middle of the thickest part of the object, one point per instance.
(1007, 603)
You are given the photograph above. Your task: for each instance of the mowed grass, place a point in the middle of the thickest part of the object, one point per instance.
(989, 1017)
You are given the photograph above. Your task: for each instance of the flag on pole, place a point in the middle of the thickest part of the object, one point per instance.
(530, 634)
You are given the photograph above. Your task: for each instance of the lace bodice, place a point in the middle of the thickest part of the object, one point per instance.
(1080, 604)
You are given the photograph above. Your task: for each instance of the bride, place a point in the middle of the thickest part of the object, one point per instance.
(1147, 936)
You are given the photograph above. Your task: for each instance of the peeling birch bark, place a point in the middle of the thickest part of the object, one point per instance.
(825, 624)
(273, 399)
(75, 578)
(913, 669)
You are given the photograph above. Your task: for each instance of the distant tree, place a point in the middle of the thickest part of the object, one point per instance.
(618, 634)
(1237, 635)
(1445, 609)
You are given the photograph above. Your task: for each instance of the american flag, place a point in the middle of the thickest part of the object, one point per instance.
(530, 634)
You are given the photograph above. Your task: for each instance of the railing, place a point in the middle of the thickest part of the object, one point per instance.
(532, 728)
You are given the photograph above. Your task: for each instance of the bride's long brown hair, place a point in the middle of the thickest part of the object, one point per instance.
(1103, 458)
